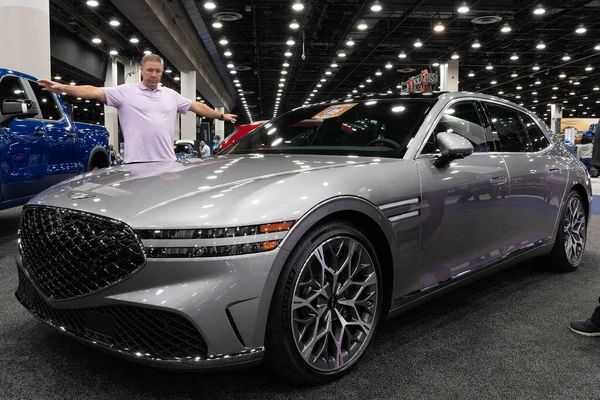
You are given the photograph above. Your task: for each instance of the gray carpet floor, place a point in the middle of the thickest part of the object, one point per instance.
(504, 337)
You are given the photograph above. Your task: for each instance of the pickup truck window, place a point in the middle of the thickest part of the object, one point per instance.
(10, 88)
(46, 102)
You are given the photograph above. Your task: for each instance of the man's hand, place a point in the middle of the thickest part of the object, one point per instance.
(50, 86)
(230, 117)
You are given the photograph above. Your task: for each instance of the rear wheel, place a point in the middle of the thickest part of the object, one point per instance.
(326, 306)
(571, 238)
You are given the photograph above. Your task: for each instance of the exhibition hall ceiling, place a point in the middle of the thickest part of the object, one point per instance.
(282, 54)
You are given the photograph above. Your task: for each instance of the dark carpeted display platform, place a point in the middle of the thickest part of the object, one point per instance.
(505, 337)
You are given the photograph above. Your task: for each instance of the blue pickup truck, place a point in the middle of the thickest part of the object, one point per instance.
(40, 145)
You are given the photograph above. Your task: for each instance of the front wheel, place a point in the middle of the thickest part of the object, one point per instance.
(326, 306)
(571, 238)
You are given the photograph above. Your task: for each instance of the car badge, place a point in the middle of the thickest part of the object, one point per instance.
(80, 195)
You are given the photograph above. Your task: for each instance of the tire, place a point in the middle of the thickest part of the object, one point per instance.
(290, 328)
(571, 237)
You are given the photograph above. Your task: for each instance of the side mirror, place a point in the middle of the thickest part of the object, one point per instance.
(452, 146)
(14, 108)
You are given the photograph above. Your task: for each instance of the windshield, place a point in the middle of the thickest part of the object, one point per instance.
(380, 128)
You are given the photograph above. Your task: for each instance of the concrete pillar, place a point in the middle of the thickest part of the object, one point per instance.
(449, 76)
(188, 90)
(111, 120)
(555, 117)
(219, 125)
(25, 36)
(132, 71)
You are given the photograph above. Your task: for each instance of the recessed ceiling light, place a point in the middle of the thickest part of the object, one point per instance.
(290, 42)
(439, 27)
(223, 41)
(297, 6)
(362, 26)
(539, 10)
(506, 28)
(114, 22)
(96, 40)
(217, 25)
(209, 5)
(514, 57)
(134, 40)
(580, 29)
(92, 3)
(402, 55)
(418, 43)
(463, 8)
(294, 25)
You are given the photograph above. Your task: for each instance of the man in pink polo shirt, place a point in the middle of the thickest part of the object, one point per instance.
(147, 111)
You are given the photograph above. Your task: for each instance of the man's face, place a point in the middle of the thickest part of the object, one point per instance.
(151, 73)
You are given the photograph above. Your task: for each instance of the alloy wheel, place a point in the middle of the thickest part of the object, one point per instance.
(335, 304)
(574, 230)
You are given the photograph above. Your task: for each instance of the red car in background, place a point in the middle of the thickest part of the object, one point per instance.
(239, 132)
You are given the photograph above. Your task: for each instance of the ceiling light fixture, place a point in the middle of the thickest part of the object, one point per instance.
(539, 10)
(228, 53)
(489, 67)
(285, 64)
(334, 65)
(418, 43)
(287, 53)
(566, 57)
(297, 6)
(146, 52)
(378, 73)
(230, 65)
(597, 47)
(294, 25)
(514, 57)
(541, 45)
(113, 53)
(350, 42)
(476, 44)
(402, 55)
(217, 25)
(342, 55)
(389, 66)
(96, 40)
(493, 82)
(57, 78)
(362, 26)
(439, 27)
(435, 64)
(463, 8)
(209, 5)
(223, 41)
(290, 42)
(589, 68)
(505, 28)
(376, 7)
(455, 56)
(535, 67)
(92, 3)
(134, 40)
(562, 75)
(471, 74)
(580, 29)
(514, 75)
(114, 22)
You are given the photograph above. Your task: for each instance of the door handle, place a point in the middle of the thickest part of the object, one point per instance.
(39, 132)
(70, 134)
(498, 180)
(554, 171)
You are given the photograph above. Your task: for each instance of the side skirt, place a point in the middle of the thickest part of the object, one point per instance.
(417, 298)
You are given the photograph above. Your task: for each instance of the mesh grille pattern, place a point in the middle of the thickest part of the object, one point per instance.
(152, 332)
(70, 253)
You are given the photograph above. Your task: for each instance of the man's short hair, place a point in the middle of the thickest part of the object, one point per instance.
(217, 137)
(152, 57)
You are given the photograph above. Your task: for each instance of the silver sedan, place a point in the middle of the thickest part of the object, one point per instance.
(294, 243)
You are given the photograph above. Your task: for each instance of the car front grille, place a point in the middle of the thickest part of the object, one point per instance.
(149, 332)
(70, 253)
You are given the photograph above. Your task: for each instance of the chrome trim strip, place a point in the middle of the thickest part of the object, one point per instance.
(387, 206)
(403, 216)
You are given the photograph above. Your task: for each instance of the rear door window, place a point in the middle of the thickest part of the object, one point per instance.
(508, 131)
(46, 102)
(538, 141)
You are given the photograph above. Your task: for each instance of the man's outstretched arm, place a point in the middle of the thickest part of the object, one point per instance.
(85, 91)
(204, 111)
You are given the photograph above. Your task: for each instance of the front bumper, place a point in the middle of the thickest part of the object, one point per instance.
(216, 303)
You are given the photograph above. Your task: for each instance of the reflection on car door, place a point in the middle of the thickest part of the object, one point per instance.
(61, 137)
(464, 205)
(23, 160)
(536, 180)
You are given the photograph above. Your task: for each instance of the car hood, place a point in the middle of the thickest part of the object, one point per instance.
(219, 191)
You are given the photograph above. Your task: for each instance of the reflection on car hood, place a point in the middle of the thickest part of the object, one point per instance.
(219, 191)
